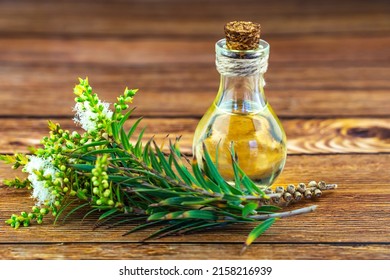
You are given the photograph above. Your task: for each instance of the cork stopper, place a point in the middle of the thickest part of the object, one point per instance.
(242, 35)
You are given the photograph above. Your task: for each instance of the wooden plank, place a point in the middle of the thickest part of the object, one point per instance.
(33, 79)
(145, 51)
(305, 136)
(355, 212)
(189, 18)
(129, 251)
(51, 103)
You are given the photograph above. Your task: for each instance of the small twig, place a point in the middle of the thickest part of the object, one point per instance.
(284, 214)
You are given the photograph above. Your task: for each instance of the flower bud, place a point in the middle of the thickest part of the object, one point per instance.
(106, 193)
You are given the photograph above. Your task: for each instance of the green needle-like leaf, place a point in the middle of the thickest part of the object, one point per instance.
(124, 119)
(83, 167)
(163, 161)
(268, 209)
(199, 214)
(93, 144)
(115, 131)
(157, 216)
(125, 141)
(63, 208)
(138, 145)
(155, 164)
(74, 210)
(214, 174)
(108, 213)
(203, 226)
(143, 226)
(249, 208)
(173, 228)
(257, 231)
(208, 185)
(134, 127)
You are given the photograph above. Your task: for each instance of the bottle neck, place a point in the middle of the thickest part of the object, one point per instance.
(243, 95)
(241, 87)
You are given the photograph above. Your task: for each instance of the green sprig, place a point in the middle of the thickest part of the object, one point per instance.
(108, 169)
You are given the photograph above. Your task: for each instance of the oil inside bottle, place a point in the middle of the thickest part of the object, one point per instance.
(258, 137)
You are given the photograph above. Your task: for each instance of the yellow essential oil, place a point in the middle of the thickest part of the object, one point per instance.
(259, 141)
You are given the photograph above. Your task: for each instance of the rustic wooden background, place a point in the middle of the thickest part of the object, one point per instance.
(328, 80)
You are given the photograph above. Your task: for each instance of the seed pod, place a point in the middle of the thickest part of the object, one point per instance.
(308, 194)
(287, 196)
(276, 200)
(322, 185)
(312, 184)
(279, 189)
(297, 196)
(291, 189)
(317, 193)
(301, 187)
(267, 191)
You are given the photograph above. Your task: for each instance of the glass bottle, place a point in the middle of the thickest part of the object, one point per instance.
(240, 114)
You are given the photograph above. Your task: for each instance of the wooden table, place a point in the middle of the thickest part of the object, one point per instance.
(328, 81)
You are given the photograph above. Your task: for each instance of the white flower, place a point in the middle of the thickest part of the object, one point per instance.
(40, 192)
(86, 118)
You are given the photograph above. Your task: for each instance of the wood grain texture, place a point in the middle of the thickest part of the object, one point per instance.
(309, 49)
(355, 212)
(163, 251)
(195, 18)
(328, 80)
(305, 136)
(292, 91)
